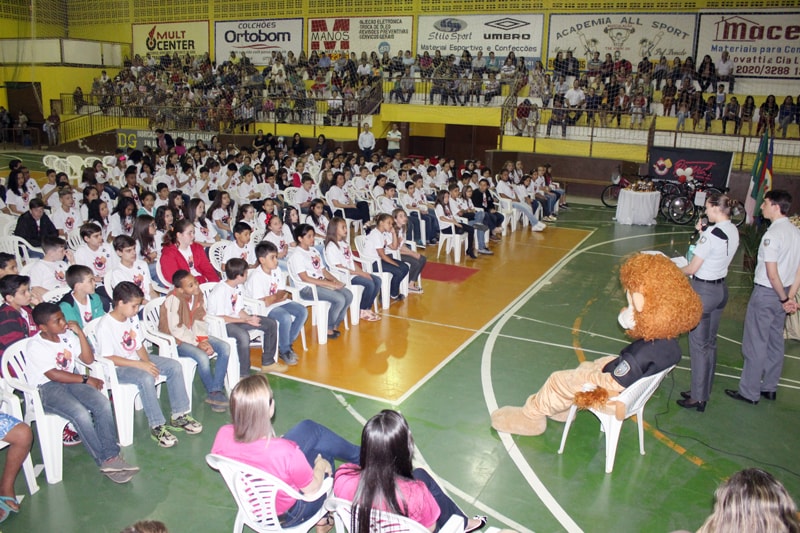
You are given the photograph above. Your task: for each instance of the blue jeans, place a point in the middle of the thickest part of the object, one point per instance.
(144, 381)
(315, 439)
(269, 330)
(339, 299)
(291, 317)
(212, 382)
(398, 272)
(371, 286)
(527, 211)
(89, 411)
(447, 506)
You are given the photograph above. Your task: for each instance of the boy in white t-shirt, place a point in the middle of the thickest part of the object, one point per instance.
(50, 272)
(73, 395)
(227, 301)
(120, 339)
(82, 304)
(67, 217)
(241, 246)
(268, 283)
(98, 255)
(129, 268)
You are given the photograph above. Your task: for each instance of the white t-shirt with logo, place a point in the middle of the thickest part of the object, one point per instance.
(225, 300)
(260, 284)
(67, 220)
(49, 274)
(101, 261)
(85, 310)
(44, 355)
(139, 274)
(233, 250)
(122, 339)
(308, 261)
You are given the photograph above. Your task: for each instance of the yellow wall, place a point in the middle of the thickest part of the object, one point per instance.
(55, 80)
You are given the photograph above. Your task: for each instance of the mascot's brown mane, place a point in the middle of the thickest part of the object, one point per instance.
(671, 305)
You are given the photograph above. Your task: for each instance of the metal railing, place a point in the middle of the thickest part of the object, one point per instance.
(32, 136)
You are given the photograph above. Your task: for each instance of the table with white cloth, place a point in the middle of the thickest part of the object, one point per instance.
(639, 208)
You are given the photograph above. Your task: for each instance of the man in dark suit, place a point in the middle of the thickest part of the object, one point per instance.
(35, 224)
(164, 140)
(482, 199)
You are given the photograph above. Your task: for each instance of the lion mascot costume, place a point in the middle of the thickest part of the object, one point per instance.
(661, 306)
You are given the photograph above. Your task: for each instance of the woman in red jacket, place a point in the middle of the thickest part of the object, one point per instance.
(180, 252)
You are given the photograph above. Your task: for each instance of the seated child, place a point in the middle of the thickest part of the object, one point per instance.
(50, 272)
(74, 396)
(8, 264)
(119, 338)
(182, 316)
(82, 305)
(307, 263)
(241, 246)
(98, 255)
(379, 243)
(268, 284)
(227, 301)
(129, 268)
(17, 434)
(16, 315)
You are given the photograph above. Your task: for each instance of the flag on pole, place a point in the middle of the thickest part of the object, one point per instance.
(760, 178)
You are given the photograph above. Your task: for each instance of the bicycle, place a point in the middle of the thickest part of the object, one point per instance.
(690, 203)
(610, 194)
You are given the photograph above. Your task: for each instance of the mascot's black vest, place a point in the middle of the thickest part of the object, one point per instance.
(643, 358)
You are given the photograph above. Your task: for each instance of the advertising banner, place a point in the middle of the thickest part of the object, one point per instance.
(257, 38)
(342, 35)
(501, 34)
(633, 36)
(138, 139)
(168, 38)
(707, 166)
(761, 45)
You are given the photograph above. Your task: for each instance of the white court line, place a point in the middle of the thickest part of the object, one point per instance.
(446, 485)
(488, 389)
(553, 325)
(790, 356)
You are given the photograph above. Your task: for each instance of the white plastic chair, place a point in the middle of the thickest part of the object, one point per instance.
(49, 160)
(453, 242)
(384, 521)
(216, 252)
(126, 395)
(423, 226)
(319, 308)
(634, 399)
(257, 235)
(255, 492)
(168, 347)
(75, 163)
(54, 296)
(19, 248)
(509, 215)
(10, 406)
(288, 197)
(74, 239)
(161, 278)
(48, 427)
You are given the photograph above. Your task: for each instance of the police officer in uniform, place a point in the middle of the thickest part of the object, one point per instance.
(709, 266)
(777, 279)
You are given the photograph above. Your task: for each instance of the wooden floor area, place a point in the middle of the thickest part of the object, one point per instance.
(386, 359)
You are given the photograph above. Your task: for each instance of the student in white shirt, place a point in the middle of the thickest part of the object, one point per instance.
(50, 272)
(247, 214)
(120, 339)
(241, 246)
(51, 358)
(449, 224)
(67, 217)
(306, 262)
(342, 202)
(97, 255)
(268, 283)
(380, 242)
(122, 217)
(220, 214)
(227, 301)
(280, 235)
(129, 268)
(205, 231)
(340, 255)
(317, 219)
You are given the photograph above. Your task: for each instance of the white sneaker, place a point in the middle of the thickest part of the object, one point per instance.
(540, 226)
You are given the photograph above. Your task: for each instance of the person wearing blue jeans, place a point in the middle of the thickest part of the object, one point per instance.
(120, 339)
(306, 263)
(314, 440)
(73, 396)
(183, 317)
(378, 241)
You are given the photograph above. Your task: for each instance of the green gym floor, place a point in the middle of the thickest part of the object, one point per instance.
(521, 483)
